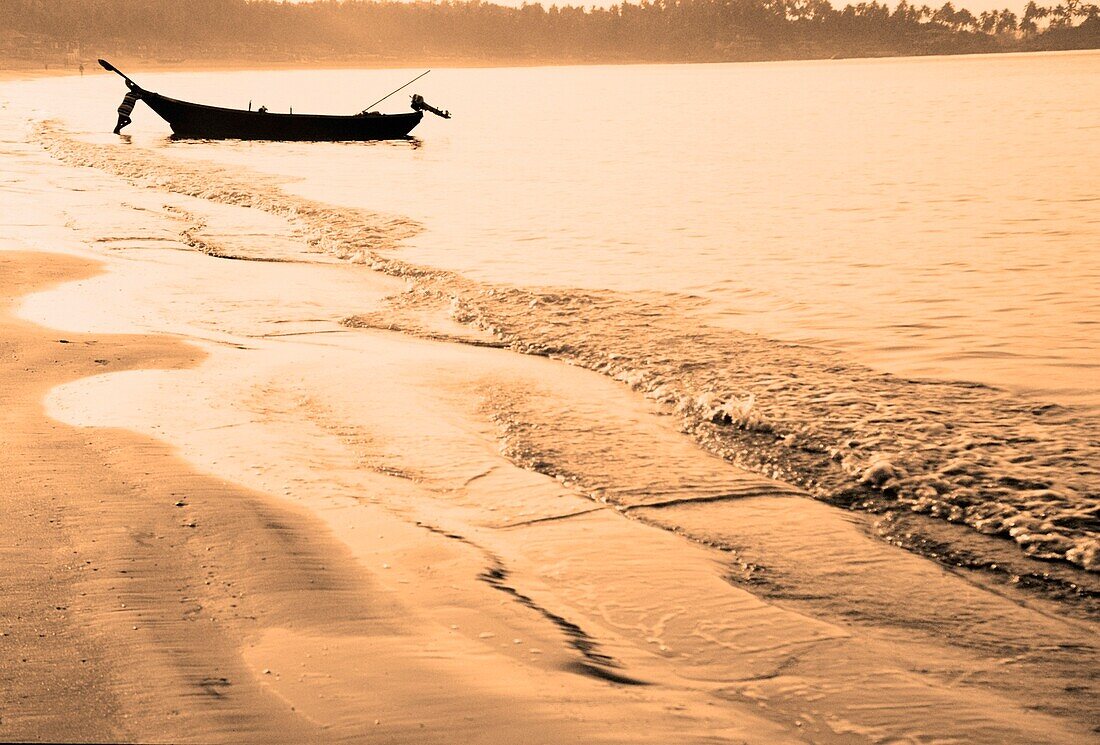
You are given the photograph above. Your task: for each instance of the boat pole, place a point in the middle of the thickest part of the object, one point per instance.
(383, 98)
(111, 68)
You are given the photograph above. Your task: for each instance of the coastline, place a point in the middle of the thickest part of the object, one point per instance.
(150, 602)
(248, 626)
(10, 74)
(13, 69)
(107, 600)
(367, 462)
(300, 608)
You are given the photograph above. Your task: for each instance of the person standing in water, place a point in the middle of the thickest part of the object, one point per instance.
(126, 108)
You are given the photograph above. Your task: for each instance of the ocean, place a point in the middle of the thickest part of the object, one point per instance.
(876, 280)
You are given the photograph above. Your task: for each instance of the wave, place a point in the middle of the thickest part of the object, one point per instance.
(961, 452)
(845, 433)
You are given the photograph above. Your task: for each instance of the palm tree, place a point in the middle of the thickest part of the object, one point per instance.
(903, 12)
(965, 19)
(1062, 15)
(945, 16)
(1006, 22)
(1032, 13)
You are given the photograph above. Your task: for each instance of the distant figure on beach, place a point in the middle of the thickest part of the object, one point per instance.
(262, 109)
(81, 69)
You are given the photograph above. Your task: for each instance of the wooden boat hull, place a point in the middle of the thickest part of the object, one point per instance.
(200, 122)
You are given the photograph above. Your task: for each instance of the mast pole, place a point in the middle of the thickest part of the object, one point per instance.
(406, 85)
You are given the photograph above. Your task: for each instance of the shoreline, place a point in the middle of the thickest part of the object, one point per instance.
(179, 606)
(310, 603)
(510, 332)
(10, 72)
(119, 618)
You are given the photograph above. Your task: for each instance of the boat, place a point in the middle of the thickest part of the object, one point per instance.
(201, 122)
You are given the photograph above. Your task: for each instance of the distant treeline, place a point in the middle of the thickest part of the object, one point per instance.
(665, 30)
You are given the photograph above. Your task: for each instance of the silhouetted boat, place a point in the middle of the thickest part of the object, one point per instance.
(198, 121)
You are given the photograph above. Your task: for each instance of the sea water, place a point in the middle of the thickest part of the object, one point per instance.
(875, 279)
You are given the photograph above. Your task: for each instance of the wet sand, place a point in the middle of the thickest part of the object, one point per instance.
(124, 602)
(149, 602)
(154, 601)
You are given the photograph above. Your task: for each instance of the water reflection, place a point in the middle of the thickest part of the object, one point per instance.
(408, 142)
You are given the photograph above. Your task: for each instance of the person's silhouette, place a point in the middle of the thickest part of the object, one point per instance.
(126, 108)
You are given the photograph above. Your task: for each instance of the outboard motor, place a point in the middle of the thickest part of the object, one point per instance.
(419, 104)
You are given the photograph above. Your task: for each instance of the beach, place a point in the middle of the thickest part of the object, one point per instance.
(144, 596)
(262, 488)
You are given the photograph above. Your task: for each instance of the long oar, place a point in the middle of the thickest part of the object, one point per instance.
(111, 68)
(383, 98)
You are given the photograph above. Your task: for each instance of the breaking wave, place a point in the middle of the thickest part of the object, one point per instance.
(961, 452)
